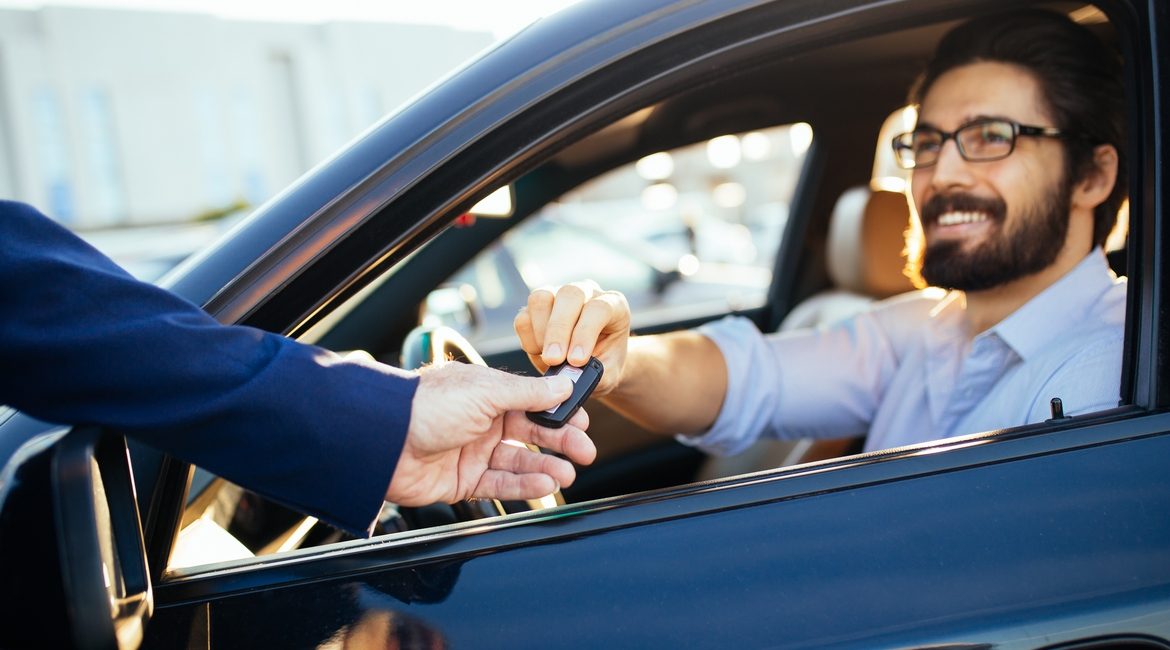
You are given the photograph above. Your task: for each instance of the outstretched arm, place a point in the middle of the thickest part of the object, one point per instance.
(82, 342)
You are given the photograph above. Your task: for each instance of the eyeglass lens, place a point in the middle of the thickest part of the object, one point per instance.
(983, 140)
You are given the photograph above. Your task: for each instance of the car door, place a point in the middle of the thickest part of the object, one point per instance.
(969, 541)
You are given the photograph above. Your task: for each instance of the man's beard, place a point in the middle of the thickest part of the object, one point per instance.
(1008, 253)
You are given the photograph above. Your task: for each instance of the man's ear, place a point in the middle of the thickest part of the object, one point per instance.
(1097, 184)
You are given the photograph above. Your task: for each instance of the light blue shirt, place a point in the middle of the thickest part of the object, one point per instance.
(907, 370)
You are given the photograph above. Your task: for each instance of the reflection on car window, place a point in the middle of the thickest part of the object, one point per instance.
(684, 234)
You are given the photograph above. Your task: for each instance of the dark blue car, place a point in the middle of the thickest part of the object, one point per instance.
(1054, 535)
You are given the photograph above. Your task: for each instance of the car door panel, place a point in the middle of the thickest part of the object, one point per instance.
(922, 548)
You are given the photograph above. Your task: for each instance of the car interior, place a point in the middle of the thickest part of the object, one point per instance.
(840, 249)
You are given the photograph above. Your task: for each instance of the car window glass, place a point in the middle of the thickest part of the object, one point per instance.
(688, 233)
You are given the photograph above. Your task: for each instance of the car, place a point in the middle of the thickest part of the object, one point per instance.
(1052, 535)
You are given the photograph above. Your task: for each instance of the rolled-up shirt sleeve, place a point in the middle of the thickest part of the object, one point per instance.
(824, 383)
(753, 388)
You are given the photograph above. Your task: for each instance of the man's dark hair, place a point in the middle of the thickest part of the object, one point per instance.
(1079, 77)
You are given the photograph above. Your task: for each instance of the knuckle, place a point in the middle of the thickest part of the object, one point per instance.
(616, 297)
(522, 321)
(599, 308)
(571, 292)
(540, 299)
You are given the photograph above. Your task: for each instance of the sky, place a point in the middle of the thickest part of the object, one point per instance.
(501, 17)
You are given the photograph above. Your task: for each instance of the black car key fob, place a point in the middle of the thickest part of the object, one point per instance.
(585, 379)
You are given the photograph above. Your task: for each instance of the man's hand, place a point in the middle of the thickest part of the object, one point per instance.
(460, 417)
(575, 322)
(668, 383)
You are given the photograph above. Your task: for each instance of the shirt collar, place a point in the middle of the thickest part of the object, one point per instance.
(1029, 329)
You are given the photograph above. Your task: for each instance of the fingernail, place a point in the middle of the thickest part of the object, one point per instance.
(553, 350)
(578, 353)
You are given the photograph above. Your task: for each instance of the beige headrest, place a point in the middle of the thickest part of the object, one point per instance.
(866, 242)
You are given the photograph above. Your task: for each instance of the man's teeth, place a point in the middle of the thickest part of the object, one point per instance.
(954, 218)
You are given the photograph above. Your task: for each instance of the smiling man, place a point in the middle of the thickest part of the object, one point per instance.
(1017, 181)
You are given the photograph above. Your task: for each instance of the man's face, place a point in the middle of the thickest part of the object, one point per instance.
(988, 223)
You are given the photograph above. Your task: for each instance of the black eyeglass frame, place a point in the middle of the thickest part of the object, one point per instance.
(1018, 129)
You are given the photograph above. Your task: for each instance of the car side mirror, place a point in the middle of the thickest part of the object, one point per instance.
(99, 540)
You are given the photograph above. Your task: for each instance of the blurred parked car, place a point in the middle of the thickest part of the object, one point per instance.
(482, 299)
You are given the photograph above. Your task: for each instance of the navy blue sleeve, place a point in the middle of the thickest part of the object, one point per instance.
(83, 342)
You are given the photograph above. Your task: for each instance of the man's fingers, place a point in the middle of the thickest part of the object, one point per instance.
(606, 313)
(518, 459)
(580, 419)
(523, 326)
(561, 321)
(496, 484)
(570, 440)
(516, 472)
(508, 392)
(540, 305)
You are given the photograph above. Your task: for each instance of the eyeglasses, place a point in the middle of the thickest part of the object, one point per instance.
(982, 140)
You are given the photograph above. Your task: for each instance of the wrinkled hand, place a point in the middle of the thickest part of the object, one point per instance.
(575, 322)
(460, 417)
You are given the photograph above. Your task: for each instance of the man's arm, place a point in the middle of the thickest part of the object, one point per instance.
(82, 342)
(727, 381)
(670, 383)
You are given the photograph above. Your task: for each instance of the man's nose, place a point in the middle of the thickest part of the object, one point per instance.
(951, 169)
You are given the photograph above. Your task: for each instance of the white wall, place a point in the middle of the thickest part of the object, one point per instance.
(111, 117)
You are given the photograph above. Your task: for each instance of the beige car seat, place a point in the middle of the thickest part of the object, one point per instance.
(865, 257)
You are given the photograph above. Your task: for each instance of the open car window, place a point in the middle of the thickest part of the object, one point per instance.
(691, 232)
(687, 233)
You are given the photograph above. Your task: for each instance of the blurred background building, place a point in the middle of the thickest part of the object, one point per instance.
(149, 132)
(115, 118)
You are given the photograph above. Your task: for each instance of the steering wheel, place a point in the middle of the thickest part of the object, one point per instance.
(438, 345)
